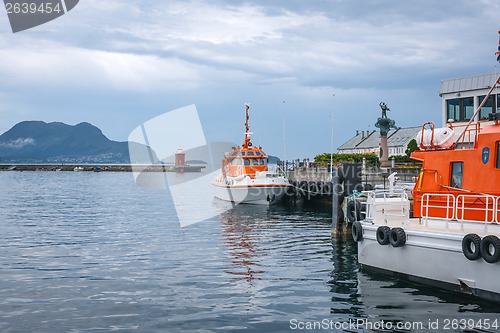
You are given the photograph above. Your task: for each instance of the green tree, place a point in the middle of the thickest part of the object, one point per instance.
(412, 146)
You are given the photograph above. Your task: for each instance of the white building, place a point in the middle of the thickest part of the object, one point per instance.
(369, 142)
(462, 96)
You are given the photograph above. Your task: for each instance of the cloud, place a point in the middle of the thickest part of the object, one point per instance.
(18, 143)
(136, 59)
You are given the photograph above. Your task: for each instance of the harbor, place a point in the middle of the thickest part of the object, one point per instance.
(250, 167)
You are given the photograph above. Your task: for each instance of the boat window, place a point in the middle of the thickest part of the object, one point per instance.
(255, 161)
(263, 161)
(487, 108)
(498, 155)
(257, 153)
(250, 153)
(453, 107)
(468, 107)
(457, 173)
(498, 103)
(236, 161)
(234, 153)
(247, 161)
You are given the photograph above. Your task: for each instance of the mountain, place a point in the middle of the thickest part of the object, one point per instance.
(56, 142)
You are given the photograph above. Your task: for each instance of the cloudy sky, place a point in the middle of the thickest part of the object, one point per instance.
(119, 63)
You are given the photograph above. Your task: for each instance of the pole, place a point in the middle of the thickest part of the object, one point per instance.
(284, 139)
(335, 181)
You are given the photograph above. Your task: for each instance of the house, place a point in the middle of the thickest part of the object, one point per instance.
(369, 142)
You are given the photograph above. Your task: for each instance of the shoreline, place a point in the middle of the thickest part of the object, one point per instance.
(100, 167)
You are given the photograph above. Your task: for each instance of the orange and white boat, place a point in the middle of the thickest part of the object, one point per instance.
(246, 177)
(453, 238)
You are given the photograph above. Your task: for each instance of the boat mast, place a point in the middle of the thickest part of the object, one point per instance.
(246, 142)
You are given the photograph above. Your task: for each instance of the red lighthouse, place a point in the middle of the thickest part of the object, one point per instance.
(180, 158)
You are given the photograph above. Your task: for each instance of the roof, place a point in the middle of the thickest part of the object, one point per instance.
(483, 81)
(395, 138)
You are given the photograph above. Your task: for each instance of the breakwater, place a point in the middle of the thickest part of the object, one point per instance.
(100, 167)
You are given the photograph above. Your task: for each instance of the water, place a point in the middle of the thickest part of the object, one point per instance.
(91, 252)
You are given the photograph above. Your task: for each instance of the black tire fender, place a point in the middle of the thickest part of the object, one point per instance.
(357, 231)
(490, 249)
(383, 235)
(471, 245)
(397, 237)
(353, 209)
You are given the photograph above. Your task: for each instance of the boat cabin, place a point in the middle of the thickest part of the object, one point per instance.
(459, 181)
(245, 161)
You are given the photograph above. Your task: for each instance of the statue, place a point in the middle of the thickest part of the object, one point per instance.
(385, 124)
(384, 108)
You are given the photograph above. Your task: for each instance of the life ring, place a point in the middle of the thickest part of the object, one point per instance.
(397, 237)
(471, 245)
(357, 231)
(383, 234)
(353, 210)
(490, 248)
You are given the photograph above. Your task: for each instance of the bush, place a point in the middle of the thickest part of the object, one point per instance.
(324, 159)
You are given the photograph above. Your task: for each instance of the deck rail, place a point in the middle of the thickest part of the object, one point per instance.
(457, 207)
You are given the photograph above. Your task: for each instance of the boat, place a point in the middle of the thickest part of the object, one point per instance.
(246, 176)
(450, 239)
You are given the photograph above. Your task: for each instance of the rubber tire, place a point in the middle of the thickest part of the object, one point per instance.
(383, 235)
(467, 241)
(397, 237)
(485, 245)
(353, 210)
(357, 231)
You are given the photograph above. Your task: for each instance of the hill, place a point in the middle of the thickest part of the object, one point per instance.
(56, 142)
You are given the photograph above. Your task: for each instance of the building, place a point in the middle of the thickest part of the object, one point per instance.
(369, 142)
(462, 96)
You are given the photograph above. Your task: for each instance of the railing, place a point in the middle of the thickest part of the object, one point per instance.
(468, 134)
(394, 205)
(456, 208)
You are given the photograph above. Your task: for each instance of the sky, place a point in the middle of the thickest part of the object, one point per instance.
(306, 67)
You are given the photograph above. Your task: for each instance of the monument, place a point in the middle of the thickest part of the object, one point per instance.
(385, 124)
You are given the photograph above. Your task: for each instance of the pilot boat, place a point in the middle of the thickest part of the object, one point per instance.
(246, 176)
(452, 238)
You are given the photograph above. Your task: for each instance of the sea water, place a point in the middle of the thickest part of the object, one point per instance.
(92, 252)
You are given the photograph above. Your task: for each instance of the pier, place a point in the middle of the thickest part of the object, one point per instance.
(101, 167)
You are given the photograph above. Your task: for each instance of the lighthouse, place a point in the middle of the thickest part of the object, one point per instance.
(180, 158)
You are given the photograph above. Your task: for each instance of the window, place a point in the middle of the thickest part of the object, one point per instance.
(250, 153)
(498, 103)
(468, 108)
(453, 106)
(460, 109)
(457, 173)
(255, 161)
(498, 155)
(247, 162)
(236, 162)
(487, 108)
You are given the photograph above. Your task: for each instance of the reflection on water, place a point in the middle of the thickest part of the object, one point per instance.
(85, 252)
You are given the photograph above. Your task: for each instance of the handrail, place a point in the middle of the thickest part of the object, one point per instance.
(460, 208)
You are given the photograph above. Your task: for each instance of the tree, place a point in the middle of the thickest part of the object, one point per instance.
(412, 146)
